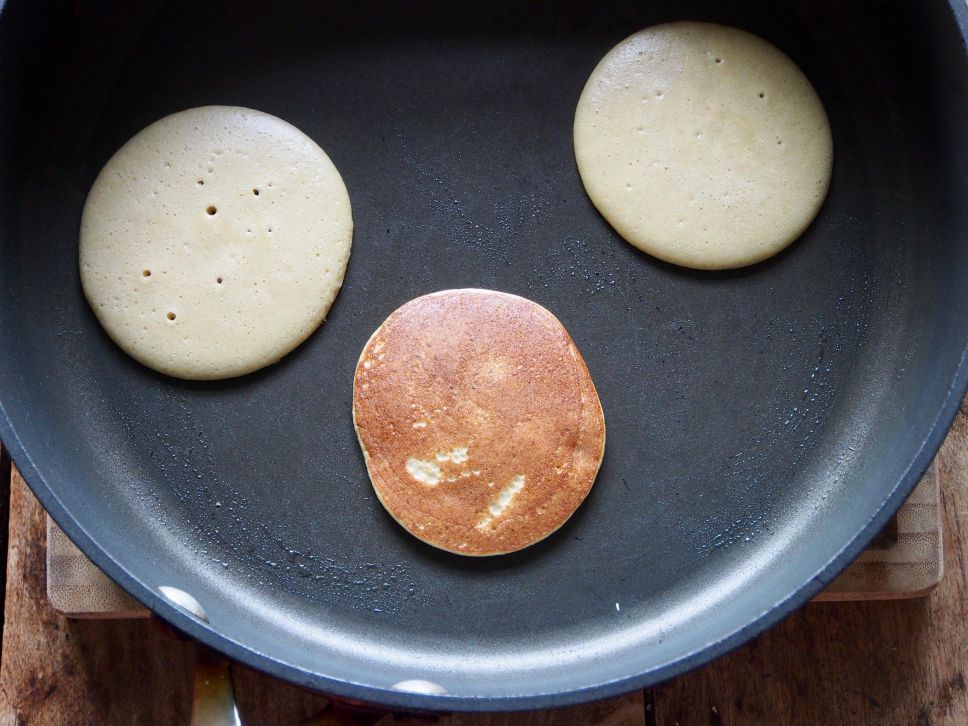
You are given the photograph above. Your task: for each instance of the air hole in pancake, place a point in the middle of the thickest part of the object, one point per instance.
(200, 182)
(762, 95)
(218, 280)
(211, 209)
(256, 192)
(146, 273)
(719, 60)
(171, 315)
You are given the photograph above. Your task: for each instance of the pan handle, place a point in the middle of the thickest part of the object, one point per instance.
(213, 701)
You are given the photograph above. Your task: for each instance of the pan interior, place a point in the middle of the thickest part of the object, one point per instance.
(757, 419)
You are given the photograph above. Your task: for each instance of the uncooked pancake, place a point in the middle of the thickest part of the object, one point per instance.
(214, 242)
(479, 422)
(703, 145)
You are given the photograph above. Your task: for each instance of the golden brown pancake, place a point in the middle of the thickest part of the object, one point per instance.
(479, 422)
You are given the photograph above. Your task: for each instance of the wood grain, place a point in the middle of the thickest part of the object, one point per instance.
(627, 710)
(77, 588)
(60, 671)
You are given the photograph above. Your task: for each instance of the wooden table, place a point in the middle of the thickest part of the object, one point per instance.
(891, 662)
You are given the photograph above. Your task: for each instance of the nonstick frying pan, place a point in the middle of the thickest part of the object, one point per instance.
(763, 424)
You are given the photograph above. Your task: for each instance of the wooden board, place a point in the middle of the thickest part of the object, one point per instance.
(78, 589)
(910, 563)
(59, 671)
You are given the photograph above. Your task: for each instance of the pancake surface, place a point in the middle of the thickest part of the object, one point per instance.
(214, 242)
(479, 422)
(703, 145)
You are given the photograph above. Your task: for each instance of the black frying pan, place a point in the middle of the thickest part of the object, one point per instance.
(762, 424)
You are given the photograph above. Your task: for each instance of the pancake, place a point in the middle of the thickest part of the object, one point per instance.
(214, 242)
(479, 422)
(703, 145)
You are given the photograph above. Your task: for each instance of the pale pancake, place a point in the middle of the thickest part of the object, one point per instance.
(703, 145)
(479, 422)
(214, 242)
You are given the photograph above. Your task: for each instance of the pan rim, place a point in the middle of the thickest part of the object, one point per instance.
(382, 697)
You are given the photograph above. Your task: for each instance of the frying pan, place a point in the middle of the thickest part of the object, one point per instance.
(763, 424)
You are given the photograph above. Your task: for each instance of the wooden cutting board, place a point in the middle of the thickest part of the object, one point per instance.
(906, 560)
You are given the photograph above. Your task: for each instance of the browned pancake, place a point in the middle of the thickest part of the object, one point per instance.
(480, 424)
